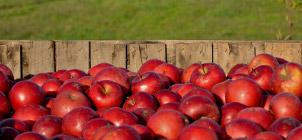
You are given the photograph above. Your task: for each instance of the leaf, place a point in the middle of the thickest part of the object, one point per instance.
(288, 37)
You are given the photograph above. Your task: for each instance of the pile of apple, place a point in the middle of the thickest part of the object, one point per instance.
(259, 100)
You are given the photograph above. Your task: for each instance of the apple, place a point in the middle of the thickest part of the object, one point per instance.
(91, 126)
(62, 137)
(175, 87)
(48, 126)
(165, 96)
(219, 91)
(186, 74)
(138, 100)
(71, 86)
(74, 121)
(242, 128)
(167, 124)
(149, 82)
(8, 133)
(40, 78)
(258, 115)
(19, 125)
(119, 116)
(124, 132)
(95, 69)
(24, 93)
(4, 106)
(67, 101)
(102, 110)
(102, 131)
(30, 136)
(295, 134)
(211, 124)
(198, 106)
(245, 91)
(48, 103)
(286, 105)
(266, 101)
(143, 114)
(263, 59)
(199, 91)
(132, 75)
(171, 71)
(283, 126)
(29, 114)
(4, 83)
(51, 87)
(235, 68)
(144, 132)
(86, 81)
(238, 76)
(229, 111)
(149, 65)
(171, 105)
(7, 71)
(281, 60)
(207, 75)
(72, 74)
(106, 93)
(58, 73)
(185, 88)
(287, 78)
(165, 79)
(268, 135)
(196, 132)
(262, 76)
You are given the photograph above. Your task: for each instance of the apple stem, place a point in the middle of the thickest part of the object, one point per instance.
(103, 88)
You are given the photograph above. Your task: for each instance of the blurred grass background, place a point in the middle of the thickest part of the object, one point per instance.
(145, 20)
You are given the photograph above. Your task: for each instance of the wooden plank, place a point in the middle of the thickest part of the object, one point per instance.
(72, 55)
(171, 53)
(11, 57)
(229, 54)
(140, 53)
(37, 57)
(287, 50)
(188, 54)
(114, 54)
(259, 47)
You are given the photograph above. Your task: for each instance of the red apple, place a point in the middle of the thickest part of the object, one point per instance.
(86, 81)
(262, 76)
(268, 135)
(175, 87)
(4, 105)
(196, 132)
(116, 75)
(106, 93)
(58, 73)
(185, 88)
(144, 132)
(74, 121)
(219, 91)
(71, 86)
(242, 128)
(102, 111)
(266, 101)
(245, 91)
(167, 124)
(207, 75)
(149, 65)
(283, 126)
(51, 87)
(124, 132)
(30, 136)
(149, 82)
(263, 59)
(119, 116)
(198, 106)
(62, 137)
(238, 76)
(19, 125)
(140, 99)
(211, 124)
(102, 131)
(7, 71)
(72, 74)
(199, 91)
(67, 101)
(229, 111)
(286, 105)
(281, 60)
(171, 71)
(91, 126)
(40, 78)
(4, 83)
(143, 114)
(165, 79)
(258, 115)
(235, 68)
(48, 103)
(8, 133)
(295, 134)
(242, 70)
(24, 93)
(29, 114)
(95, 69)
(48, 126)
(132, 75)
(186, 74)
(171, 105)
(165, 96)
(287, 78)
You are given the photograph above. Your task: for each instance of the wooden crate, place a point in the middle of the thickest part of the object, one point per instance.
(26, 57)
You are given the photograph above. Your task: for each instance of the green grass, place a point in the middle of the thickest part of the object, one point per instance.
(145, 20)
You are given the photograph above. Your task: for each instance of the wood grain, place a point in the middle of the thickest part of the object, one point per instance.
(11, 56)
